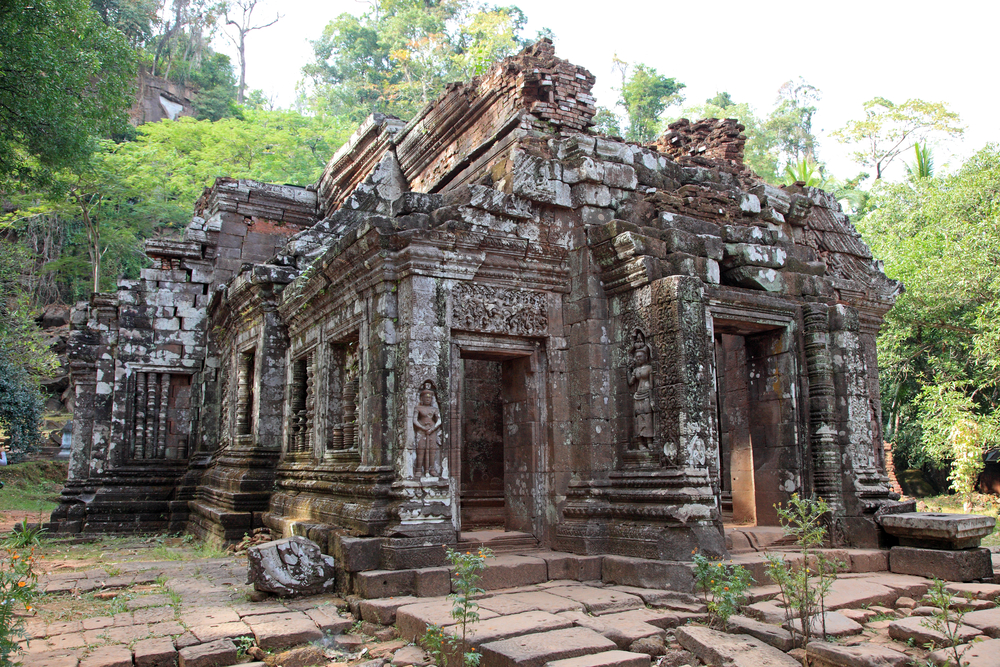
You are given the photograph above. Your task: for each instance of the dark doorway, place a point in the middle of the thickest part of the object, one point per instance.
(482, 491)
(756, 398)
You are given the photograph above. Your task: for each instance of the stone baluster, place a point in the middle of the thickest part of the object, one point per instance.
(822, 409)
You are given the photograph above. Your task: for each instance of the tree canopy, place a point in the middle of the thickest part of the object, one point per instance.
(65, 78)
(889, 129)
(939, 351)
(400, 54)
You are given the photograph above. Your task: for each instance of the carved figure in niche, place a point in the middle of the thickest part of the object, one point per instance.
(427, 432)
(641, 375)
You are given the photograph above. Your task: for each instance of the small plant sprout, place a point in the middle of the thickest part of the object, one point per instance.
(946, 619)
(804, 584)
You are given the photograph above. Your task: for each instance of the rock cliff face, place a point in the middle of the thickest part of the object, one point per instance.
(488, 316)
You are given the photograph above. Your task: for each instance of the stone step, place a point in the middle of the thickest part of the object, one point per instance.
(497, 541)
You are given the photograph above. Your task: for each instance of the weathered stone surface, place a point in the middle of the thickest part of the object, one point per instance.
(413, 619)
(410, 655)
(537, 649)
(605, 659)
(514, 603)
(938, 531)
(275, 631)
(598, 600)
(828, 654)
(108, 656)
(622, 631)
(837, 625)
(978, 591)
(213, 654)
(155, 653)
(511, 571)
(779, 638)
(504, 627)
(383, 610)
(976, 654)
(964, 565)
(289, 567)
(987, 620)
(717, 648)
(302, 656)
(918, 629)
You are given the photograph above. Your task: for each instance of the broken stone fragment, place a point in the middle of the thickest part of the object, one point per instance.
(289, 567)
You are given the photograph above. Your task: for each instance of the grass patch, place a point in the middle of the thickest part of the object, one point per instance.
(32, 486)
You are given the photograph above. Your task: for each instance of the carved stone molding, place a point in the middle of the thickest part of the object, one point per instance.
(498, 310)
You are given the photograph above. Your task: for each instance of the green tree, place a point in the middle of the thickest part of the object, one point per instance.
(67, 77)
(400, 54)
(645, 95)
(939, 350)
(889, 129)
(791, 121)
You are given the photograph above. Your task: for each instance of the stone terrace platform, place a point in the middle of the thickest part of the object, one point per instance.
(541, 608)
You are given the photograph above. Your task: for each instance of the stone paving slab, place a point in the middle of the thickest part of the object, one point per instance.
(505, 627)
(65, 658)
(515, 603)
(211, 633)
(622, 631)
(108, 656)
(599, 600)
(537, 649)
(978, 591)
(605, 659)
(825, 654)
(412, 620)
(913, 628)
(977, 654)
(718, 648)
(987, 620)
(275, 631)
(154, 653)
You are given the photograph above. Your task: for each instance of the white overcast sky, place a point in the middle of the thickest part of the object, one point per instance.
(851, 50)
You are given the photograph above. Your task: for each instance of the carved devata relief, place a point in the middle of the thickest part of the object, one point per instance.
(427, 433)
(495, 309)
(640, 375)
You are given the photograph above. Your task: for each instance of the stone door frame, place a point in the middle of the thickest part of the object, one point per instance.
(491, 347)
(746, 321)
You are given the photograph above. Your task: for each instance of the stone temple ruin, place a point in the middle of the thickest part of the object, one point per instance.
(490, 318)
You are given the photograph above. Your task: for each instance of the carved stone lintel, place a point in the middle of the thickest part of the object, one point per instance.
(492, 309)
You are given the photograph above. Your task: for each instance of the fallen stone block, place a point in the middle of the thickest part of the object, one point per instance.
(220, 653)
(410, 655)
(976, 654)
(779, 638)
(938, 531)
(537, 649)
(605, 659)
(718, 648)
(920, 631)
(963, 565)
(826, 654)
(289, 567)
